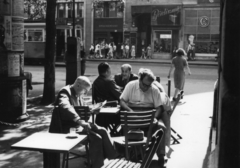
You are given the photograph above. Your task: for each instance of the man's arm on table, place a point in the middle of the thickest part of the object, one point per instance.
(124, 105)
(68, 112)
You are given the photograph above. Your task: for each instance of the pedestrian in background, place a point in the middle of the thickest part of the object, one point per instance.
(122, 50)
(91, 51)
(179, 63)
(133, 52)
(143, 56)
(114, 50)
(110, 51)
(149, 52)
(127, 50)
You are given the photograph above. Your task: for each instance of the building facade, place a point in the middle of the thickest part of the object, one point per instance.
(158, 24)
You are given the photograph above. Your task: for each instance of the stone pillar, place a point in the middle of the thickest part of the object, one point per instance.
(12, 80)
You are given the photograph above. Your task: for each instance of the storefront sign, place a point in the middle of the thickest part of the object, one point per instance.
(108, 24)
(166, 15)
(204, 21)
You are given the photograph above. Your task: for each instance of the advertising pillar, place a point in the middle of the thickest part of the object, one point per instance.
(12, 80)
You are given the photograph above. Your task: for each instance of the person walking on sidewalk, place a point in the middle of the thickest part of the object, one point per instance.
(179, 63)
(143, 56)
(149, 52)
(133, 52)
(127, 50)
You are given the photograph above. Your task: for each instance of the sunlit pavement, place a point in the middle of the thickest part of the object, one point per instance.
(191, 120)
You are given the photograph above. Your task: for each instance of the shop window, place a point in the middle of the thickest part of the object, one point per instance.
(162, 42)
(203, 37)
(34, 35)
(204, 43)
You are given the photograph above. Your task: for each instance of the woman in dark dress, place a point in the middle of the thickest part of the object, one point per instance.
(179, 63)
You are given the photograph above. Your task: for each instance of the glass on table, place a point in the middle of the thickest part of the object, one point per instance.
(72, 131)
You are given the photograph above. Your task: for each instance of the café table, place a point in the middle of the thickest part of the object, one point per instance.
(49, 143)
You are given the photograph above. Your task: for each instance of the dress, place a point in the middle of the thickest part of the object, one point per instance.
(179, 63)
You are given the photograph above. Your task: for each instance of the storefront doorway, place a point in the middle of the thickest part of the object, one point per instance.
(162, 44)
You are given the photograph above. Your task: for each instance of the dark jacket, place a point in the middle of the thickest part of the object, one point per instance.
(121, 83)
(105, 89)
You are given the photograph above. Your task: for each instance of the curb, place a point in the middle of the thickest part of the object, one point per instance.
(167, 62)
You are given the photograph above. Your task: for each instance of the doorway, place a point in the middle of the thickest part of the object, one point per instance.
(162, 44)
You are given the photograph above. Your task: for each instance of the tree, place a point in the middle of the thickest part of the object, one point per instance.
(36, 9)
(49, 67)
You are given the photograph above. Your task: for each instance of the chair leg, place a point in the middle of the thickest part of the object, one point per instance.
(63, 160)
(88, 157)
(176, 133)
(175, 140)
(67, 160)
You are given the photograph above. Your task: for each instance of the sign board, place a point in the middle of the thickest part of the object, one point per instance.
(108, 24)
(166, 15)
(165, 36)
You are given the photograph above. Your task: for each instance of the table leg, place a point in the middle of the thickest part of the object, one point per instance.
(51, 159)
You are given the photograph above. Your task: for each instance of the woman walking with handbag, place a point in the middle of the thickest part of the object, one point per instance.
(179, 63)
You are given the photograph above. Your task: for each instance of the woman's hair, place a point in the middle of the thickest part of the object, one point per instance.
(146, 72)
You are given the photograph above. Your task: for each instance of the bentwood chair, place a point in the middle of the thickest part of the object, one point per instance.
(149, 153)
(176, 136)
(131, 121)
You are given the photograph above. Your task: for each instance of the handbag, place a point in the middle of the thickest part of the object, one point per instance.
(135, 135)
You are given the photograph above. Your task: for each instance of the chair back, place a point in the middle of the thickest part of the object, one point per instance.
(56, 123)
(152, 148)
(137, 120)
(176, 101)
(83, 112)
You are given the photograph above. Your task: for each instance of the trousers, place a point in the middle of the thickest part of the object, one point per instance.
(100, 146)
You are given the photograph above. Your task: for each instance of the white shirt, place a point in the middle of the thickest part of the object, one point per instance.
(134, 96)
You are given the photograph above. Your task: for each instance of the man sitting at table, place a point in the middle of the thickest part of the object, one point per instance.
(105, 88)
(143, 93)
(125, 76)
(69, 96)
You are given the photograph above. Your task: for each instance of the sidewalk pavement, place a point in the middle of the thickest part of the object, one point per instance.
(191, 120)
(199, 62)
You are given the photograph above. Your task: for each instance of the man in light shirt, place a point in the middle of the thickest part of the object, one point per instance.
(143, 93)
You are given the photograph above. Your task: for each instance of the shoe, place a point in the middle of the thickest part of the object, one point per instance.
(162, 161)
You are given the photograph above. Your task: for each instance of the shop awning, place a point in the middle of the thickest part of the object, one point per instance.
(141, 9)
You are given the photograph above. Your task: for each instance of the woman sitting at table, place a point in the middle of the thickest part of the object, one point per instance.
(100, 146)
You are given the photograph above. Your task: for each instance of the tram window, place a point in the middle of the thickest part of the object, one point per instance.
(35, 35)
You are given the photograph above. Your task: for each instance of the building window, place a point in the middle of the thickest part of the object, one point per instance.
(109, 10)
(79, 10)
(69, 10)
(61, 10)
